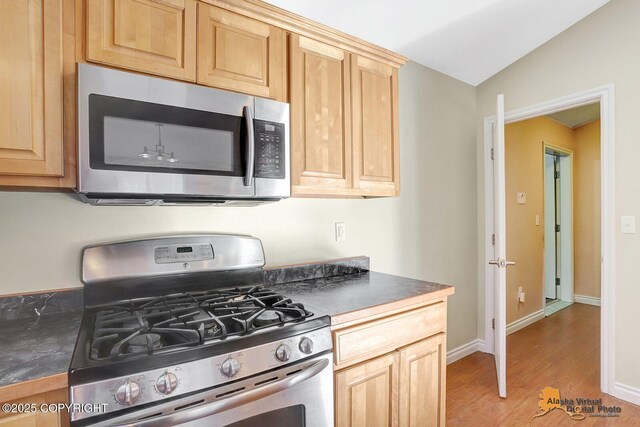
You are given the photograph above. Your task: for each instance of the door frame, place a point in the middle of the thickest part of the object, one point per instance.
(567, 238)
(604, 95)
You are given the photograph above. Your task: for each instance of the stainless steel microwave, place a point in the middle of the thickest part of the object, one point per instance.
(149, 141)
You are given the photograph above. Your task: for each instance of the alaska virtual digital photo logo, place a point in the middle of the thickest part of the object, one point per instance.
(578, 408)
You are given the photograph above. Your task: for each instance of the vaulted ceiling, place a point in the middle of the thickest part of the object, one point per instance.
(470, 40)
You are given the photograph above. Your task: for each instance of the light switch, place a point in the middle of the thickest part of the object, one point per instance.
(341, 232)
(628, 224)
(521, 198)
(537, 219)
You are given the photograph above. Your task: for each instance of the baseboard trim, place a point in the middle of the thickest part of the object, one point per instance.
(584, 299)
(525, 321)
(464, 350)
(626, 392)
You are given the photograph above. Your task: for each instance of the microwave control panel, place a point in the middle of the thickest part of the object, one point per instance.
(270, 155)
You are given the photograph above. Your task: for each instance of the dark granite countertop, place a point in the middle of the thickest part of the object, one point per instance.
(37, 347)
(41, 346)
(340, 295)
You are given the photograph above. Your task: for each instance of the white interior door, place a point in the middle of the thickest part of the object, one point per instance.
(500, 249)
(549, 227)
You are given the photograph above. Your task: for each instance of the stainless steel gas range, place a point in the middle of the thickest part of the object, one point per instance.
(181, 331)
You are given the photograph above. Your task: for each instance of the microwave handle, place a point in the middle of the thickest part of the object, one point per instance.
(250, 146)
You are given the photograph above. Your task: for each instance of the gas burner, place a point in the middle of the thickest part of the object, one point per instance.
(155, 325)
(267, 317)
(144, 343)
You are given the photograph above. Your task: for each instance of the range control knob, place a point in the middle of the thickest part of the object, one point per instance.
(230, 367)
(166, 383)
(306, 345)
(283, 352)
(128, 393)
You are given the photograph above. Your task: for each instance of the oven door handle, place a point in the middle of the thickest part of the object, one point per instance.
(206, 410)
(250, 147)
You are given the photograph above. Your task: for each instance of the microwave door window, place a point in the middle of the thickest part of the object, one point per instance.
(139, 136)
(139, 143)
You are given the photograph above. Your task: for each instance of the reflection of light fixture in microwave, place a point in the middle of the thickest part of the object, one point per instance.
(159, 151)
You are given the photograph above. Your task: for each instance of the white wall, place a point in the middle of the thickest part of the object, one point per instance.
(429, 232)
(598, 50)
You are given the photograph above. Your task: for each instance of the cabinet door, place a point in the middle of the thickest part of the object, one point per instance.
(38, 418)
(31, 88)
(320, 118)
(376, 148)
(152, 36)
(240, 53)
(422, 383)
(367, 394)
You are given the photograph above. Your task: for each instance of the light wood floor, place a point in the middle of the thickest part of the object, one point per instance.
(560, 351)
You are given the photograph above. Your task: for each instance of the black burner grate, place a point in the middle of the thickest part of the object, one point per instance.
(155, 325)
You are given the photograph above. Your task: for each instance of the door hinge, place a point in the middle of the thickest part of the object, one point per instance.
(493, 239)
(492, 154)
(493, 323)
(557, 281)
(557, 228)
(556, 174)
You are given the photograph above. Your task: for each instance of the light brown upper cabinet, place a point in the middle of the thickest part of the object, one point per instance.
(31, 83)
(342, 90)
(320, 118)
(241, 54)
(376, 146)
(152, 36)
(344, 122)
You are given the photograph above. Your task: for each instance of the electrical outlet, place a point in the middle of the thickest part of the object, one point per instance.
(341, 232)
(521, 295)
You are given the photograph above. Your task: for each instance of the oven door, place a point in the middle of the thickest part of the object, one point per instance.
(141, 135)
(300, 395)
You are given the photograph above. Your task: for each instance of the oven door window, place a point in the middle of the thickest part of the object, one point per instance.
(145, 137)
(291, 416)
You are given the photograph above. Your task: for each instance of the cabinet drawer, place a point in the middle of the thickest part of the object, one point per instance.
(367, 340)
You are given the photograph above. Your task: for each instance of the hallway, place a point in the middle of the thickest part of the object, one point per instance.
(561, 351)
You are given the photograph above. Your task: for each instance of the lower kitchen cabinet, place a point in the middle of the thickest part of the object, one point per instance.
(390, 371)
(422, 383)
(37, 418)
(367, 394)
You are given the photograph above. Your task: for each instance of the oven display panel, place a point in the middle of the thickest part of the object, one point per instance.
(182, 253)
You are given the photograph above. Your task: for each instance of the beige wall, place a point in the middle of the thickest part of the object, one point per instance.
(524, 173)
(524, 164)
(586, 214)
(599, 50)
(429, 232)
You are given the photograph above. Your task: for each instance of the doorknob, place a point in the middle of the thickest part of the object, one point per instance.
(501, 262)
